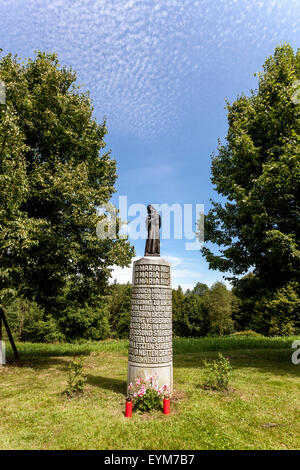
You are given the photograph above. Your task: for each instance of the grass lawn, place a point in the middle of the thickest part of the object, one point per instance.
(261, 411)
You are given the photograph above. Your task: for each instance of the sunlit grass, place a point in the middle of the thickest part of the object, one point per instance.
(261, 410)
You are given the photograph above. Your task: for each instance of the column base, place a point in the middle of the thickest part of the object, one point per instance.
(164, 372)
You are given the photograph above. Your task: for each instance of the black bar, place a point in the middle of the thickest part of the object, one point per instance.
(2, 315)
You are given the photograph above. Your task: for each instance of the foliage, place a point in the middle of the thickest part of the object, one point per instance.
(268, 312)
(76, 378)
(247, 333)
(28, 322)
(215, 313)
(219, 302)
(190, 314)
(54, 175)
(85, 322)
(120, 307)
(217, 373)
(258, 172)
(200, 289)
(146, 394)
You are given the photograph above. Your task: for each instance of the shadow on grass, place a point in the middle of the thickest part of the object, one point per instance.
(40, 364)
(44, 354)
(277, 362)
(107, 383)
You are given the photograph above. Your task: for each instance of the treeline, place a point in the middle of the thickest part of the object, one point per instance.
(217, 310)
(197, 312)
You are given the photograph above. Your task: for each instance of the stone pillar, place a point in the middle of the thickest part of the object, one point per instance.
(150, 346)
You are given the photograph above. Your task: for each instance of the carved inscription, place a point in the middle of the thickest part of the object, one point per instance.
(152, 274)
(151, 316)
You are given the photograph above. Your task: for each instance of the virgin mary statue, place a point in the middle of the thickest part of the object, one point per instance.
(153, 223)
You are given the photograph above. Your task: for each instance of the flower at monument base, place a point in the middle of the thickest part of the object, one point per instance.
(146, 393)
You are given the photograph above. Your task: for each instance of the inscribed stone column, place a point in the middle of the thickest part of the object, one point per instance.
(150, 347)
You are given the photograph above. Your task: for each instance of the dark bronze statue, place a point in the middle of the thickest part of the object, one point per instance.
(153, 224)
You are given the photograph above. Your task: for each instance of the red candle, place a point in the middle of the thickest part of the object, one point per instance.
(128, 409)
(166, 406)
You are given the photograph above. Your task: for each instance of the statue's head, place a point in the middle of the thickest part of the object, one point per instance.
(151, 209)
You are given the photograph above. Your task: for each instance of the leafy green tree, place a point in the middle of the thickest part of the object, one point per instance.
(269, 313)
(120, 308)
(53, 174)
(177, 306)
(258, 172)
(200, 289)
(29, 322)
(190, 316)
(219, 303)
(86, 322)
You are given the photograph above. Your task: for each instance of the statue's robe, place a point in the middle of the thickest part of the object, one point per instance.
(153, 223)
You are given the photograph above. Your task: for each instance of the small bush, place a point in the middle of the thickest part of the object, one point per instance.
(247, 333)
(217, 373)
(85, 322)
(76, 378)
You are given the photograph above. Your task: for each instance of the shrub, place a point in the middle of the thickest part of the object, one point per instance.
(76, 378)
(28, 322)
(247, 333)
(85, 322)
(217, 373)
(190, 315)
(122, 327)
(272, 313)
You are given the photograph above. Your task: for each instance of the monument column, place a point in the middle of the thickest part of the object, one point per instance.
(150, 346)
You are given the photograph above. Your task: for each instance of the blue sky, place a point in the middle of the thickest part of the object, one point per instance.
(160, 71)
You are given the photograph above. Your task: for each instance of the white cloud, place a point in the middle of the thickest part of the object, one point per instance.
(145, 60)
(122, 275)
(184, 273)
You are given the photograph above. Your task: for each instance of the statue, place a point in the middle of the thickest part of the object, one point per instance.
(153, 224)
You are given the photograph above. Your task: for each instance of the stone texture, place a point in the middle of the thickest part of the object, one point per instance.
(150, 347)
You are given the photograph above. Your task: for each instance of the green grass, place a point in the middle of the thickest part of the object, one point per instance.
(261, 410)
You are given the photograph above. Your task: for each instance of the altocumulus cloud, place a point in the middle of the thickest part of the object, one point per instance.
(145, 60)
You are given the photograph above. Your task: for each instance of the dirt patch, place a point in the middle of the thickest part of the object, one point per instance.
(271, 425)
(178, 395)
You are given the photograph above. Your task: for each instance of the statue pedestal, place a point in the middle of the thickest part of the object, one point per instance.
(150, 346)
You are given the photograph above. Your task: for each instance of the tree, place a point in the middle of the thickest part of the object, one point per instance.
(219, 303)
(177, 305)
(190, 316)
(200, 289)
(120, 308)
(267, 312)
(53, 178)
(258, 172)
